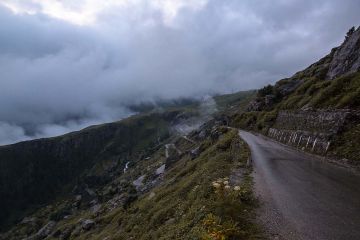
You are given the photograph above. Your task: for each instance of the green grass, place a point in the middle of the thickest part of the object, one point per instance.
(258, 121)
(184, 206)
(346, 144)
(186, 199)
(65, 159)
(167, 105)
(239, 99)
(343, 92)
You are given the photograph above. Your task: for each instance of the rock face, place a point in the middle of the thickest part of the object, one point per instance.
(309, 130)
(289, 87)
(346, 58)
(255, 105)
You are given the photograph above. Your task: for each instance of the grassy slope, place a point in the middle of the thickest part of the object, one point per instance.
(187, 198)
(343, 92)
(238, 100)
(346, 145)
(184, 206)
(340, 93)
(184, 104)
(34, 172)
(66, 159)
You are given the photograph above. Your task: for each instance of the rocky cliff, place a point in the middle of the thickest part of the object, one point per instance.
(347, 57)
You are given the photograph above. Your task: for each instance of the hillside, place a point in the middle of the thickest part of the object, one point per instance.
(316, 109)
(105, 173)
(175, 190)
(35, 172)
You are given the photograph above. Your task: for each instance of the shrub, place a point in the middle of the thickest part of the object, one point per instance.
(267, 90)
(216, 229)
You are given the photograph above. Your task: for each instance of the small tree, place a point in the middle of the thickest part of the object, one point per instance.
(350, 32)
(267, 90)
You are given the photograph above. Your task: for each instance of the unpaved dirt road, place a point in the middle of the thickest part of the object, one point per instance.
(301, 196)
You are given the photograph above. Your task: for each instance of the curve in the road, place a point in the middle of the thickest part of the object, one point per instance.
(303, 197)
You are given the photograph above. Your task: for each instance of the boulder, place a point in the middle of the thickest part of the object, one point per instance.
(87, 224)
(255, 105)
(78, 198)
(29, 220)
(195, 152)
(160, 170)
(170, 221)
(96, 209)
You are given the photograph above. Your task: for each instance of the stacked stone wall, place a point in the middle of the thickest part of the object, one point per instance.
(310, 130)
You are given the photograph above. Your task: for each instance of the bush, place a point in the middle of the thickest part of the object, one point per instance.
(267, 90)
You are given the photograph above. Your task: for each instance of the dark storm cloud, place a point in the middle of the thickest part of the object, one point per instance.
(57, 77)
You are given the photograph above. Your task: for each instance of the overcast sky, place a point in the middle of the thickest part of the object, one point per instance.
(68, 64)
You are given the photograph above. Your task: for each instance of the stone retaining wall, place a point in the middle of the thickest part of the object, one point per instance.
(310, 130)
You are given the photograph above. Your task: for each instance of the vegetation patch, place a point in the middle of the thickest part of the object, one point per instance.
(346, 145)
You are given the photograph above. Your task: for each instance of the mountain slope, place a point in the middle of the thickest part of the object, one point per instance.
(108, 170)
(169, 194)
(35, 172)
(317, 109)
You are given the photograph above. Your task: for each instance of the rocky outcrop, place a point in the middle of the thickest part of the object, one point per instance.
(309, 130)
(44, 231)
(256, 105)
(285, 87)
(87, 224)
(172, 154)
(347, 57)
(261, 103)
